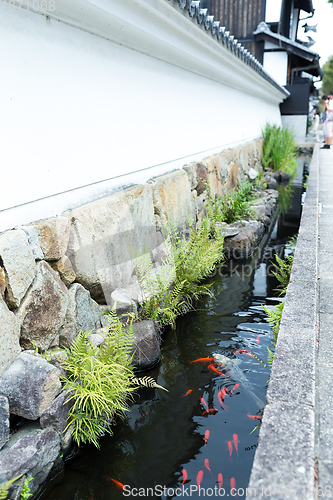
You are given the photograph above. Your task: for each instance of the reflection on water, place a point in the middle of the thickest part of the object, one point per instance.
(166, 433)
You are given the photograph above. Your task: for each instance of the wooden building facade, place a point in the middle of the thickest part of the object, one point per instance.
(240, 17)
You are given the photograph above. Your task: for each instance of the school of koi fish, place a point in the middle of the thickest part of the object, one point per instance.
(232, 444)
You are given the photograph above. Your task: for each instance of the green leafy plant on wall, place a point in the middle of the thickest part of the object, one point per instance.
(171, 290)
(233, 206)
(279, 149)
(100, 381)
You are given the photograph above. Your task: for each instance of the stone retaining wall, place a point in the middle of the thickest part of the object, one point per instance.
(56, 276)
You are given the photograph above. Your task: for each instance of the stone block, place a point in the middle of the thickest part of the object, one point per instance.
(122, 301)
(233, 177)
(202, 178)
(19, 265)
(239, 246)
(30, 384)
(225, 161)
(9, 335)
(191, 171)
(146, 345)
(82, 312)
(33, 240)
(53, 236)
(4, 421)
(213, 176)
(43, 310)
(173, 202)
(64, 268)
(104, 235)
(56, 415)
(34, 455)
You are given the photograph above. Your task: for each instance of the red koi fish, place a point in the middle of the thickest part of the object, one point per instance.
(202, 360)
(210, 411)
(233, 487)
(234, 388)
(206, 461)
(117, 483)
(258, 339)
(221, 394)
(206, 436)
(220, 480)
(230, 448)
(185, 476)
(204, 403)
(199, 477)
(244, 351)
(235, 441)
(255, 417)
(187, 393)
(215, 370)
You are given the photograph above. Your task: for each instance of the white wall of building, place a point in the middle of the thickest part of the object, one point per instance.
(114, 88)
(298, 124)
(273, 11)
(276, 64)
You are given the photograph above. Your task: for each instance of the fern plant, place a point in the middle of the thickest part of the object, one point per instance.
(282, 273)
(233, 206)
(4, 487)
(274, 316)
(171, 292)
(25, 493)
(100, 381)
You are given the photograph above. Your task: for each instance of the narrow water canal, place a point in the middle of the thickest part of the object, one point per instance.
(166, 433)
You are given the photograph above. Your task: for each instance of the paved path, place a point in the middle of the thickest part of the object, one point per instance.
(294, 458)
(324, 362)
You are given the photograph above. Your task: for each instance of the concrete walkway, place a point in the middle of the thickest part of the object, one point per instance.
(294, 458)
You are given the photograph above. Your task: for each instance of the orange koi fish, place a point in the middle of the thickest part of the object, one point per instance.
(235, 441)
(185, 476)
(215, 370)
(204, 403)
(187, 393)
(199, 477)
(230, 448)
(202, 360)
(210, 411)
(258, 339)
(235, 388)
(255, 417)
(233, 487)
(206, 461)
(117, 483)
(220, 480)
(206, 436)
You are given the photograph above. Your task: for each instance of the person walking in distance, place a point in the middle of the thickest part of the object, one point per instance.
(328, 120)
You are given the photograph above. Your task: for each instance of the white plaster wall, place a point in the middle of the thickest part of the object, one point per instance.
(276, 64)
(78, 109)
(273, 11)
(298, 123)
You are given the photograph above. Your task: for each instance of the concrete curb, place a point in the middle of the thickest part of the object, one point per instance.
(284, 461)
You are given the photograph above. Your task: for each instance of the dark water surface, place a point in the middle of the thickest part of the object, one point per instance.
(164, 432)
